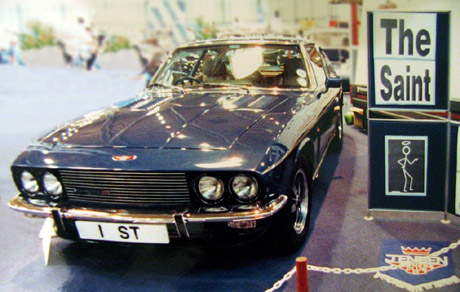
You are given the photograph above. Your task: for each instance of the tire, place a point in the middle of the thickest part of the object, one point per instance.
(338, 138)
(294, 219)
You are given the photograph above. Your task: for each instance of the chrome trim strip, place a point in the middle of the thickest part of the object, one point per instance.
(256, 214)
(315, 174)
(176, 225)
(179, 221)
(21, 205)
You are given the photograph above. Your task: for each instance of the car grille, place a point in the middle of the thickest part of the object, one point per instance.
(125, 188)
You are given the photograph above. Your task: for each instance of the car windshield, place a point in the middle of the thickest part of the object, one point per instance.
(235, 65)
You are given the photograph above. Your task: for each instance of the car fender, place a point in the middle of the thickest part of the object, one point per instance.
(306, 151)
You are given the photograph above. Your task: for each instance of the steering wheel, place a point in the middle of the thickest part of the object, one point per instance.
(181, 80)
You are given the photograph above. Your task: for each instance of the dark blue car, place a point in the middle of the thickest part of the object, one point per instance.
(223, 144)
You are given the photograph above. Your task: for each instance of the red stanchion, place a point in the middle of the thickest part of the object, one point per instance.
(302, 274)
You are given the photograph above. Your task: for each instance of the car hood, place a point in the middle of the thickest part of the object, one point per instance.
(168, 119)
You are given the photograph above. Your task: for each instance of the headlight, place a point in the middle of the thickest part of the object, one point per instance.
(211, 188)
(52, 185)
(244, 187)
(29, 183)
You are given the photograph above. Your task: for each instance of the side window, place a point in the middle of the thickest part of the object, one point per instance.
(329, 68)
(317, 64)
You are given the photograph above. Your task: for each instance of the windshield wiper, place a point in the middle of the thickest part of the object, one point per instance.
(223, 84)
(150, 86)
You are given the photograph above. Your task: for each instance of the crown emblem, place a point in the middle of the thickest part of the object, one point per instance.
(416, 251)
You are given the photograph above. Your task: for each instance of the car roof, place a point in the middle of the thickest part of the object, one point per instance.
(248, 40)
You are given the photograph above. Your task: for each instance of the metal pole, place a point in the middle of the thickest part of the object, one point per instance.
(302, 274)
(445, 220)
(354, 24)
(368, 216)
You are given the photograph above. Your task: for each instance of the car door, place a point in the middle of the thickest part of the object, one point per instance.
(325, 99)
(334, 103)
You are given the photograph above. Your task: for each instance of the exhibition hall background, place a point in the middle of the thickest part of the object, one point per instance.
(45, 81)
(336, 24)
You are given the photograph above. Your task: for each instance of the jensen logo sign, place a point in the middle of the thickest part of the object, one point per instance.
(404, 58)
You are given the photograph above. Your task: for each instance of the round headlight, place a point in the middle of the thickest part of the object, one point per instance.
(244, 187)
(211, 188)
(29, 183)
(52, 185)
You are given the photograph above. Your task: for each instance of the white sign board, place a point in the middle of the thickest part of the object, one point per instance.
(404, 51)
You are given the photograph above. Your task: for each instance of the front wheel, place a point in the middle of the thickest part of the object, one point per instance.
(295, 218)
(300, 202)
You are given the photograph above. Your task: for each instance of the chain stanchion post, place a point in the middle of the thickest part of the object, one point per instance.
(302, 274)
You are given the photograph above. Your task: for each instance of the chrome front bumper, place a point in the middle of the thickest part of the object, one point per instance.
(125, 216)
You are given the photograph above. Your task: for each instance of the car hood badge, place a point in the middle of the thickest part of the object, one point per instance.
(124, 157)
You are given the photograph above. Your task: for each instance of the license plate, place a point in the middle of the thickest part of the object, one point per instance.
(119, 232)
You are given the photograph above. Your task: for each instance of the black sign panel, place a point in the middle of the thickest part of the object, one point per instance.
(410, 174)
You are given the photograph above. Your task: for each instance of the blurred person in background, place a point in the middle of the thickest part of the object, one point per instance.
(152, 64)
(276, 24)
(76, 44)
(164, 39)
(236, 26)
(97, 43)
(83, 41)
(3, 46)
(190, 32)
(79, 45)
(10, 53)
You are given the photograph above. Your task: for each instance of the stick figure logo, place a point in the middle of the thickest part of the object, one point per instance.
(406, 165)
(404, 162)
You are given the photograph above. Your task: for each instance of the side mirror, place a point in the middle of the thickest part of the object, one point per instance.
(333, 82)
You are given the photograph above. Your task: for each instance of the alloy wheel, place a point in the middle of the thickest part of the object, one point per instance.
(300, 192)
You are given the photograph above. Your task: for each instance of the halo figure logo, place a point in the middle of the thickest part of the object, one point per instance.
(406, 165)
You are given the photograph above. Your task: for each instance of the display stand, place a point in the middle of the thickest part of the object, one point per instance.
(409, 120)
